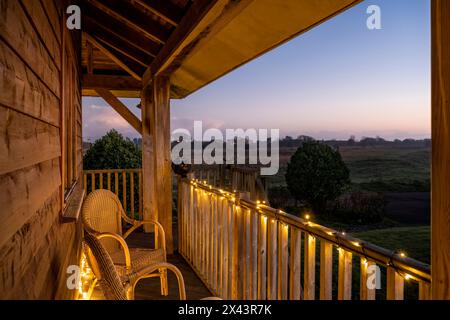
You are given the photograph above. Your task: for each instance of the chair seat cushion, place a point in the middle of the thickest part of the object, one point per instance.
(140, 259)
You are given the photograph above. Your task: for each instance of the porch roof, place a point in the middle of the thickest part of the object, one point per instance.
(127, 42)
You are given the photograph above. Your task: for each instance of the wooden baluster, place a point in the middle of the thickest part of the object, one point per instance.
(424, 290)
(225, 251)
(231, 234)
(132, 195)
(395, 285)
(283, 232)
(101, 180)
(208, 244)
(235, 252)
(345, 275)
(326, 270)
(109, 180)
(242, 254)
(247, 255)
(93, 182)
(254, 255)
(367, 292)
(220, 230)
(310, 267)
(124, 191)
(85, 182)
(141, 216)
(272, 267)
(217, 252)
(262, 258)
(116, 183)
(296, 263)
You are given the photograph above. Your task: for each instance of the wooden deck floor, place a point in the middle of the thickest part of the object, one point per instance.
(149, 289)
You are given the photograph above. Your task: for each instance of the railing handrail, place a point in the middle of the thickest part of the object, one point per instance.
(413, 268)
(111, 170)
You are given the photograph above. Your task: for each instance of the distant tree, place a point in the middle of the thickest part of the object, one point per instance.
(113, 151)
(316, 174)
(351, 141)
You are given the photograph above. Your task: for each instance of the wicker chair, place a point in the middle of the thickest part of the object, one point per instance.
(102, 216)
(114, 286)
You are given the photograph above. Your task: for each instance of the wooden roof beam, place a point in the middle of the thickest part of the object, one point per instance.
(117, 43)
(163, 9)
(101, 20)
(121, 109)
(114, 56)
(134, 17)
(110, 82)
(192, 19)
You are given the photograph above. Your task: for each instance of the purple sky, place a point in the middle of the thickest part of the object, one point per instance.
(337, 80)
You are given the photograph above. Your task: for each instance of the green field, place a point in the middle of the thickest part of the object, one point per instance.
(378, 168)
(415, 241)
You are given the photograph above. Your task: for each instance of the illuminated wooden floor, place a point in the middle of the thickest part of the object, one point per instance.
(149, 289)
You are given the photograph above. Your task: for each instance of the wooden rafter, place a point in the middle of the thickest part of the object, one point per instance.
(121, 109)
(101, 20)
(163, 9)
(113, 56)
(117, 43)
(190, 21)
(135, 18)
(90, 58)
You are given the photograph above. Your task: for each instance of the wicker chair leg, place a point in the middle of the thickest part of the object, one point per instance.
(164, 282)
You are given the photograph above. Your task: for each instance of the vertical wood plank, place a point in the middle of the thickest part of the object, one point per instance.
(92, 182)
(326, 270)
(109, 181)
(296, 263)
(310, 267)
(132, 195)
(141, 217)
(440, 163)
(366, 291)
(272, 267)
(124, 191)
(283, 232)
(85, 182)
(395, 285)
(254, 255)
(424, 291)
(101, 180)
(262, 258)
(345, 275)
(116, 183)
(235, 255)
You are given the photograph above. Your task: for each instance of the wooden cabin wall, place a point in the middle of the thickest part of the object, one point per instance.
(35, 245)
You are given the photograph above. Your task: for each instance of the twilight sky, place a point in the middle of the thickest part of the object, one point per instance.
(337, 80)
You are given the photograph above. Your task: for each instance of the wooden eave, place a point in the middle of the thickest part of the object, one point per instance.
(195, 42)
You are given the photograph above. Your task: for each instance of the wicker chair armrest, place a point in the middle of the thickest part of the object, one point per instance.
(122, 243)
(150, 269)
(161, 233)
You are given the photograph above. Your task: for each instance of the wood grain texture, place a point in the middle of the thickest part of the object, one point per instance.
(26, 141)
(19, 33)
(440, 199)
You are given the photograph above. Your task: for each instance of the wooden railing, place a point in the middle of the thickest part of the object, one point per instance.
(239, 178)
(125, 183)
(246, 250)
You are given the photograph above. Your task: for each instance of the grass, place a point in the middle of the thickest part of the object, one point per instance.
(415, 241)
(378, 168)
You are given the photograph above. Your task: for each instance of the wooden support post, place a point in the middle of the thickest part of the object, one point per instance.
(156, 162)
(440, 200)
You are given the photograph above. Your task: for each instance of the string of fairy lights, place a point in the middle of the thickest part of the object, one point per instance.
(341, 240)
